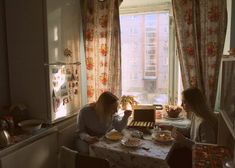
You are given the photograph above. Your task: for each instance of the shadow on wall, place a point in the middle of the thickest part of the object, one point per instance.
(4, 81)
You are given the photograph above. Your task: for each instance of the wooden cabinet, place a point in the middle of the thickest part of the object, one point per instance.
(40, 153)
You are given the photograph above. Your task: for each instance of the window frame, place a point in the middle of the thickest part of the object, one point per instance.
(174, 83)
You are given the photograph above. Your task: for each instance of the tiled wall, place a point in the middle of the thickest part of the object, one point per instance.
(4, 83)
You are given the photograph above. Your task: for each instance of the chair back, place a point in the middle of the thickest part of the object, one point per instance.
(84, 161)
(69, 158)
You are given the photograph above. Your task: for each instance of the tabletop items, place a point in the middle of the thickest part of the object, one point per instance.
(132, 151)
(173, 111)
(163, 136)
(143, 118)
(114, 135)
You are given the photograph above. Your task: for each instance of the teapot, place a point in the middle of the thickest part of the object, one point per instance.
(5, 139)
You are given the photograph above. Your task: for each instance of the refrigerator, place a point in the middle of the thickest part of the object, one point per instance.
(43, 39)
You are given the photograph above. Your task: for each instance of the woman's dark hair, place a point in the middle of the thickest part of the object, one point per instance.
(197, 102)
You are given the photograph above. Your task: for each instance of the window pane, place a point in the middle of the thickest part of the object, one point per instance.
(145, 55)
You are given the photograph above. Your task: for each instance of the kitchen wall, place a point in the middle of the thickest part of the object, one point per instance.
(4, 83)
(232, 37)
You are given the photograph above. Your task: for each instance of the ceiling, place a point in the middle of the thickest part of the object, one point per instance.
(134, 3)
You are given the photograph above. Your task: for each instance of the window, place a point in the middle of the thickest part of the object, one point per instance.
(149, 64)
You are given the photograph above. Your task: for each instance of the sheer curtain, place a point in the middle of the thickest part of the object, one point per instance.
(200, 32)
(101, 29)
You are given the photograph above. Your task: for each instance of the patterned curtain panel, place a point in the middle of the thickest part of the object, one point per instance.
(101, 29)
(200, 31)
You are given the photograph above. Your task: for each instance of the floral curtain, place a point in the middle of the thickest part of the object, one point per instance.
(101, 29)
(200, 32)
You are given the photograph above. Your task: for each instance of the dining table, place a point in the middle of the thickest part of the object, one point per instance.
(150, 154)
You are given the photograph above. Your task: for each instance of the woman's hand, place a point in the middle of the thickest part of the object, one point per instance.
(177, 135)
(127, 113)
(91, 139)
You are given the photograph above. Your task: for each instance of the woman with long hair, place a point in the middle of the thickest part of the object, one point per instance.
(203, 128)
(96, 119)
(203, 121)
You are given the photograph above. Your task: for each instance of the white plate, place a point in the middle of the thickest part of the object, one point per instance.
(162, 137)
(114, 136)
(131, 142)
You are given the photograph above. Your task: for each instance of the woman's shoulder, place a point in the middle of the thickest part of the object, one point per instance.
(87, 109)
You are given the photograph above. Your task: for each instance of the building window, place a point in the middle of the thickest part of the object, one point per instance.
(148, 57)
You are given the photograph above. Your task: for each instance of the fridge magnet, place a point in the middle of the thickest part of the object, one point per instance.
(68, 71)
(67, 52)
(63, 70)
(63, 90)
(76, 71)
(63, 87)
(65, 100)
(75, 91)
(56, 104)
(73, 85)
(76, 83)
(72, 77)
(55, 83)
(64, 93)
(55, 101)
(70, 84)
(55, 70)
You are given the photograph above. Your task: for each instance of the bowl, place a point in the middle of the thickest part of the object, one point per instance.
(162, 136)
(173, 111)
(131, 142)
(114, 135)
(30, 125)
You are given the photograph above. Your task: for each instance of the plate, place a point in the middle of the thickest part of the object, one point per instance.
(114, 136)
(131, 142)
(163, 137)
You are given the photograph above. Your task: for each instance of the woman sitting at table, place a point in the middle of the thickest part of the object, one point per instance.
(96, 119)
(204, 122)
(203, 127)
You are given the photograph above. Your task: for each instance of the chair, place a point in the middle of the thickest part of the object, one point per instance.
(72, 159)
(84, 161)
(67, 158)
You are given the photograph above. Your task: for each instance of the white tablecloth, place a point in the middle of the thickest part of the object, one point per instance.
(124, 157)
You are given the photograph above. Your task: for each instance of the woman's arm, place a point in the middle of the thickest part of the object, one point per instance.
(184, 131)
(120, 123)
(181, 139)
(83, 135)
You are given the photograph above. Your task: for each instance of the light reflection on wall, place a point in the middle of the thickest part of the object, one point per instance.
(55, 30)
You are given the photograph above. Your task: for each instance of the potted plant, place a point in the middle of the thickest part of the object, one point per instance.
(127, 100)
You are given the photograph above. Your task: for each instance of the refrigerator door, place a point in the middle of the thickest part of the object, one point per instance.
(63, 22)
(65, 90)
